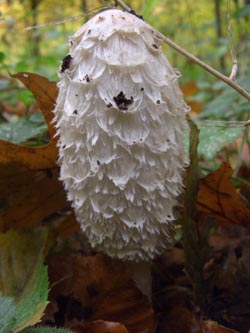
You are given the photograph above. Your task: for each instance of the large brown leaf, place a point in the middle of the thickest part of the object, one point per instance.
(33, 158)
(217, 197)
(28, 196)
(29, 187)
(45, 92)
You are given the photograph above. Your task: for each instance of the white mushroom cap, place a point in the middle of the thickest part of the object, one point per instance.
(121, 118)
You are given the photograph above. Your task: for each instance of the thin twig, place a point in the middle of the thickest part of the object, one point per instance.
(76, 17)
(231, 46)
(247, 123)
(205, 66)
(193, 58)
(123, 5)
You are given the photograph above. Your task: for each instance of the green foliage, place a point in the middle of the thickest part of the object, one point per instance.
(19, 312)
(216, 121)
(227, 103)
(23, 279)
(7, 314)
(243, 12)
(2, 56)
(22, 130)
(149, 7)
(32, 302)
(214, 138)
(26, 97)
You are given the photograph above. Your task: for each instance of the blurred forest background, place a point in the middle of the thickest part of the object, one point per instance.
(34, 35)
(199, 26)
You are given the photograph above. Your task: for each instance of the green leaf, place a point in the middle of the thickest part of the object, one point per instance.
(26, 97)
(24, 129)
(213, 139)
(32, 302)
(7, 314)
(227, 105)
(243, 11)
(22, 274)
(214, 136)
(149, 7)
(27, 309)
(2, 56)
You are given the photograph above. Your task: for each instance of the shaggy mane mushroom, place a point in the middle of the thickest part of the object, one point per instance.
(120, 116)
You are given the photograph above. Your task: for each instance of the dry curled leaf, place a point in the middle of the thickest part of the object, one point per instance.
(45, 92)
(42, 157)
(217, 198)
(29, 187)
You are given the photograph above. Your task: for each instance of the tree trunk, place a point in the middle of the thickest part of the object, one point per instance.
(35, 36)
(219, 29)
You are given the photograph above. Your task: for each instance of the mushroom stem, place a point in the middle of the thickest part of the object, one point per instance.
(141, 274)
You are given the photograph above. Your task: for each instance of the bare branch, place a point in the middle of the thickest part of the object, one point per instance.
(123, 5)
(65, 20)
(205, 66)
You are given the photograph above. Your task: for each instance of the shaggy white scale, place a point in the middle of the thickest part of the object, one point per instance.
(120, 116)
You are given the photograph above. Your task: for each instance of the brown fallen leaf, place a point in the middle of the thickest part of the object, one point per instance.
(42, 157)
(100, 326)
(44, 91)
(27, 196)
(29, 187)
(95, 288)
(189, 89)
(218, 198)
(210, 326)
(111, 292)
(33, 158)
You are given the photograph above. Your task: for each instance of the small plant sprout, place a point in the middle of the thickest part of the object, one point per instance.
(120, 117)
